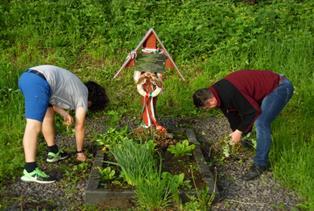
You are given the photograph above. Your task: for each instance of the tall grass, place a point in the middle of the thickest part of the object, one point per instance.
(159, 190)
(135, 160)
(11, 121)
(207, 39)
(292, 151)
(293, 155)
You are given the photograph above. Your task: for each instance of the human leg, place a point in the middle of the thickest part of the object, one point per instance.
(49, 132)
(31, 132)
(271, 107)
(48, 127)
(31, 172)
(36, 92)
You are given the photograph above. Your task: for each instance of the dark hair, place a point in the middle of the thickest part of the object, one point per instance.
(201, 96)
(97, 95)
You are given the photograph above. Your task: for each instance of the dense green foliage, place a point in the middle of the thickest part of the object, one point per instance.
(207, 40)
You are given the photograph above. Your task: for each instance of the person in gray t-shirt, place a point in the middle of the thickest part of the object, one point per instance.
(47, 90)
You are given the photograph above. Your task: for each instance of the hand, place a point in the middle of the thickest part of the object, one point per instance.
(81, 156)
(68, 119)
(161, 129)
(132, 55)
(235, 137)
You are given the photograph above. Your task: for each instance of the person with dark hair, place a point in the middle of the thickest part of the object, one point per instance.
(47, 90)
(97, 95)
(246, 97)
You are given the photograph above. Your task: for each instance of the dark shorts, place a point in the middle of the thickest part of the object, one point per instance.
(36, 91)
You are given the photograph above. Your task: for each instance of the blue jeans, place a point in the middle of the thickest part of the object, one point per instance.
(271, 106)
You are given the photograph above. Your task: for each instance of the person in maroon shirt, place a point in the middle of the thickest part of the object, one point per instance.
(246, 97)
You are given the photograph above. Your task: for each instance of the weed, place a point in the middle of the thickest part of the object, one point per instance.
(202, 201)
(107, 174)
(111, 138)
(223, 149)
(181, 148)
(203, 198)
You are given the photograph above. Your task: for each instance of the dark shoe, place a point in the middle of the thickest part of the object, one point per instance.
(55, 157)
(254, 172)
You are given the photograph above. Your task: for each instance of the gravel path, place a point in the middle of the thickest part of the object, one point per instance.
(264, 193)
(234, 194)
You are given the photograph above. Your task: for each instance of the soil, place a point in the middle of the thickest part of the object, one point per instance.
(186, 165)
(264, 193)
(162, 139)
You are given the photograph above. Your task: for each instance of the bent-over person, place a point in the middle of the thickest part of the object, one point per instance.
(48, 90)
(248, 97)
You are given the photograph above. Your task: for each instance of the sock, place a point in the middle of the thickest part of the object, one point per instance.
(53, 148)
(29, 167)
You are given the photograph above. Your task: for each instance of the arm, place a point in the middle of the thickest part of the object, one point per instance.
(247, 112)
(247, 115)
(233, 118)
(242, 115)
(68, 119)
(234, 121)
(80, 115)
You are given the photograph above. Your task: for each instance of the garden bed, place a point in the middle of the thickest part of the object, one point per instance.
(111, 196)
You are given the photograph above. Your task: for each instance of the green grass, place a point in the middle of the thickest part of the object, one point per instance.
(207, 39)
(11, 122)
(292, 154)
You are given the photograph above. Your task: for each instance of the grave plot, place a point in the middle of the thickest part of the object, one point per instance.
(149, 171)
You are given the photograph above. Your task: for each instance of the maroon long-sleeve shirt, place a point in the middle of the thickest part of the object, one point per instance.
(240, 95)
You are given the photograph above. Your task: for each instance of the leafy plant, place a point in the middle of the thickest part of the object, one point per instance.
(181, 148)
(111, 138)
(135, 160)
(107, 173)
(226, 147)
(223, 149)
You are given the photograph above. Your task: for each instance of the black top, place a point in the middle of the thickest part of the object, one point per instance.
(239, 112)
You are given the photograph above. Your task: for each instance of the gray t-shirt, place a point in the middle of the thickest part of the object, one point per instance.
(67, 90)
